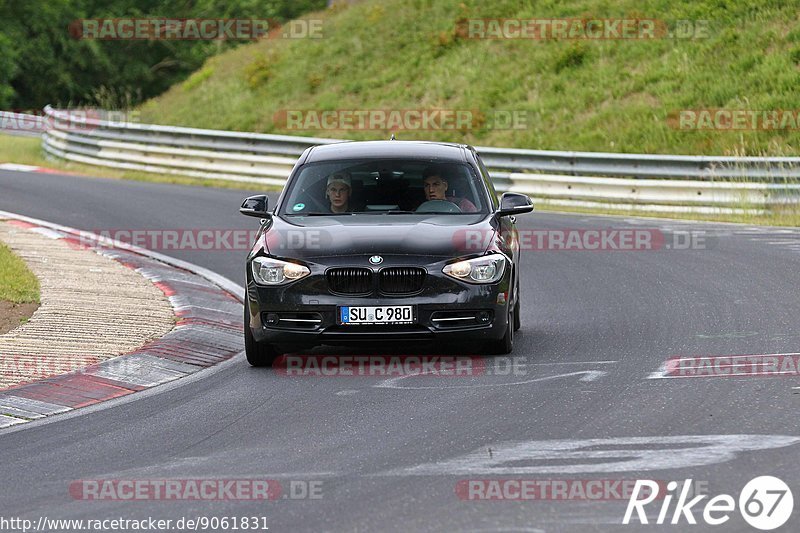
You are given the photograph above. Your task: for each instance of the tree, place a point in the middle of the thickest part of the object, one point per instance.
(41, 63)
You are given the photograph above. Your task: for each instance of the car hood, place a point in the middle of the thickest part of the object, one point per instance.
(435, 236)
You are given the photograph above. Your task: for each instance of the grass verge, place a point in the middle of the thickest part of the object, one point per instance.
(17, 283)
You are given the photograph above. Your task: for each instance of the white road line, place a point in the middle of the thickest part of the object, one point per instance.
(741, 365)
(664, 373)
(730, 376)
(599, 455)
(695, 358)
(18, 168)
(391, 383)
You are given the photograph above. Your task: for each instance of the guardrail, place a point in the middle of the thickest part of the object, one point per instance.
(667, 183)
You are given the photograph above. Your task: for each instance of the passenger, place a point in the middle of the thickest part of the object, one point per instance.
(338, 192)
(436, 186)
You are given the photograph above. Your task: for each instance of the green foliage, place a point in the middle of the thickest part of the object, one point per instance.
(573, 56)
(17, 283)
(597, 95)
(197, 78)
(794, 55)
(41, 63)
(8, 68)
(257, 72)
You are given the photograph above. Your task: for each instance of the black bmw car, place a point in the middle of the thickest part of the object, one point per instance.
(384, 241)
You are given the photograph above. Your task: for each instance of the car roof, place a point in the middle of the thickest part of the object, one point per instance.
(387, 149)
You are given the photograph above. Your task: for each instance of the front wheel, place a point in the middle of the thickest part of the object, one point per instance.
(258, 353)
(505, 345)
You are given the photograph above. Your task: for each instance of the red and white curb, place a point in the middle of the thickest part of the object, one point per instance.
(209, 330)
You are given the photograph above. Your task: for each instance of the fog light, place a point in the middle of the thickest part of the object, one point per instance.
(273, 319)
(483, 317)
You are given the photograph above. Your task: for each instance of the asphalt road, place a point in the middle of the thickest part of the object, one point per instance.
(390, 455)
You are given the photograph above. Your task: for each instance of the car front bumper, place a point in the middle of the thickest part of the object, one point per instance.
(305, 312)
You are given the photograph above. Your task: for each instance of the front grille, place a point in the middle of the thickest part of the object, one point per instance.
(350, 280)
(401, 280)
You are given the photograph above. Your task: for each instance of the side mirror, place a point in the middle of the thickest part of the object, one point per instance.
(256, 206)
(514, 203)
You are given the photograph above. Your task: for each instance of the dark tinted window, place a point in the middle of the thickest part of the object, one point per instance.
(488, 180)
(383, 185)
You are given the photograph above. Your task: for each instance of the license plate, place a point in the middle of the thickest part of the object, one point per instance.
(388, 314)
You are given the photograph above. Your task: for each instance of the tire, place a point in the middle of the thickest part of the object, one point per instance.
(504, 345)
(517, 320)
(258, 354)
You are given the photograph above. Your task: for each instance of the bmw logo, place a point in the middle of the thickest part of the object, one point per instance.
(376, 260)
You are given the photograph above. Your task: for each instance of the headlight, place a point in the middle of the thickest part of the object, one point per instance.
(487, 269)
(269, 271)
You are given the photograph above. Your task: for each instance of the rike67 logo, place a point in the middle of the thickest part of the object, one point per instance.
(765, 503)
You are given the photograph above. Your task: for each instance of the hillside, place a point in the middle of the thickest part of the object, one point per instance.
(598, 95)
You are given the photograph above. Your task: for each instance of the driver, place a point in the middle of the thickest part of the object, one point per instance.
(435, 187)
(338, 192)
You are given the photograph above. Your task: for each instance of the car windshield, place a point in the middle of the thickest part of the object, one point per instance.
(385, 186)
